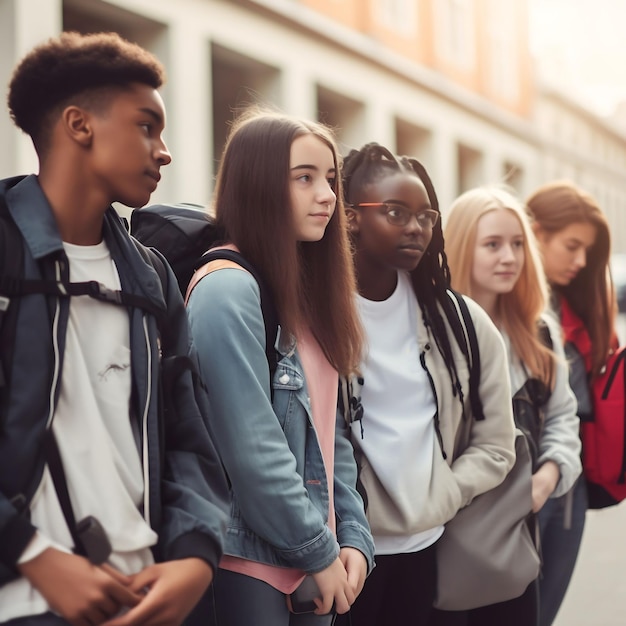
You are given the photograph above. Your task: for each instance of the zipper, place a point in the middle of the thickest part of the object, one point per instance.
(22, 501)
(55, 349)
(144, 429)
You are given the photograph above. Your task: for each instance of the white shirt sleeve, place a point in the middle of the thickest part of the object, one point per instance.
(36, 546)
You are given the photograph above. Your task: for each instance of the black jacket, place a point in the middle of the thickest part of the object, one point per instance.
(187, 495)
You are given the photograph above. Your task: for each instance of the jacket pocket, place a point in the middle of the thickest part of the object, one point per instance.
(387, 518)
(287, 382)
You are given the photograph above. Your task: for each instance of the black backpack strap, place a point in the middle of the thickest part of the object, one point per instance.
(55, 465)
(16, 287)
(270, 315)
(474, 355)
(89, 537)
(151, 257)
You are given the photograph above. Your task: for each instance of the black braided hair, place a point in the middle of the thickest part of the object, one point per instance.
(431, 278)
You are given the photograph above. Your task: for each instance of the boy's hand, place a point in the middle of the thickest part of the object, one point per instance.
(356, 567)
(80, 592)
(172, 590)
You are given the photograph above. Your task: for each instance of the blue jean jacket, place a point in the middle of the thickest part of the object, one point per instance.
(280, 495)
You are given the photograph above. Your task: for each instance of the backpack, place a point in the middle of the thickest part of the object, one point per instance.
(604, 436)
(529, 401)
(183, 233)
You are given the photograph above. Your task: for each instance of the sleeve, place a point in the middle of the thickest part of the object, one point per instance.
(352, 528)
(490, 453)
(560, 439)
(194, 490)
(228, 330)
(16, 532)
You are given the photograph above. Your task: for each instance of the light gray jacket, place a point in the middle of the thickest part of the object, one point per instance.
(458, 474)
(560, 440)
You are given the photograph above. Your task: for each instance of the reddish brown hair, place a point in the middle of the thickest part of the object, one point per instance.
(556, 206)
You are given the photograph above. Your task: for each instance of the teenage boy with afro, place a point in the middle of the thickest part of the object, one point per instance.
(84, 371)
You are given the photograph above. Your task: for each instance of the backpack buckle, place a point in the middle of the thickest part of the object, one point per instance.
(100, 292)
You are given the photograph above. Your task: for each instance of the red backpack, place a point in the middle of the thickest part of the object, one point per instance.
(603, 438)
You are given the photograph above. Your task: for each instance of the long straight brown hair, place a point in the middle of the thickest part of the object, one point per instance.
(312, 283)
(520, 310)
(556, 206)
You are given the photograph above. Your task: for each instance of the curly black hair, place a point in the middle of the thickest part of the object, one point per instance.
(75, 66)
(431, 278)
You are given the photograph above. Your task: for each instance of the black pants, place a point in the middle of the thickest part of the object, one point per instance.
(399, 591)
(239, 600)
(521, 611)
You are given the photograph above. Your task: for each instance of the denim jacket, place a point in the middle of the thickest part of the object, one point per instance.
(280, 495)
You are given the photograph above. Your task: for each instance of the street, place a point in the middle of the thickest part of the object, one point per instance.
(597, 593)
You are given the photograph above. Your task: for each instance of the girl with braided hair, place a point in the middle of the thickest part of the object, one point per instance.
(412, 421)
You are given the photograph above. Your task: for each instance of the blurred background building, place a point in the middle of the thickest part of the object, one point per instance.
(452, 82)
(455, 83)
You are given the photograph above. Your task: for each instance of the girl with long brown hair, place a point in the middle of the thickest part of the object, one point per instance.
(574, 241)
(295, 509)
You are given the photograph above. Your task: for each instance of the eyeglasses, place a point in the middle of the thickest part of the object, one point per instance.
(398, 215)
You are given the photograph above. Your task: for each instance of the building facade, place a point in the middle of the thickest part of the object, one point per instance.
(447, 81)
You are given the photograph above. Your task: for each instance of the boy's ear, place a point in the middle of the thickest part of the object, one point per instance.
(77, 124)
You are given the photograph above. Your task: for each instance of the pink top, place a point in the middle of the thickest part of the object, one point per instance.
(322, 381)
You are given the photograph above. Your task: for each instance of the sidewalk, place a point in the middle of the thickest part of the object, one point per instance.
(597, 593)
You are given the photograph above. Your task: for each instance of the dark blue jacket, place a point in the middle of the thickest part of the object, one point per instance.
(186, 495)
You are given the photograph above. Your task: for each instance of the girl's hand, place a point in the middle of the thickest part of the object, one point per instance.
(356, 567)
(334, 587)
(544, 482)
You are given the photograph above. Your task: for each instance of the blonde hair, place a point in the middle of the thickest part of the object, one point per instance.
(520, 310)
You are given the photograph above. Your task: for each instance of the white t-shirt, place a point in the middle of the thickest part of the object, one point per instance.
(399, 408)
(93, 430)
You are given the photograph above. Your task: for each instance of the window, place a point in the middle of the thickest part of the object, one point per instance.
(398, 16)
(470, 168)
(455, 27)
(502, 56)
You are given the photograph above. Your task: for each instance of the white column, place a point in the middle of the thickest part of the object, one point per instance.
(189, 115)
(23, 25)
(379, 125)
(444, 171)
(299, 93)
